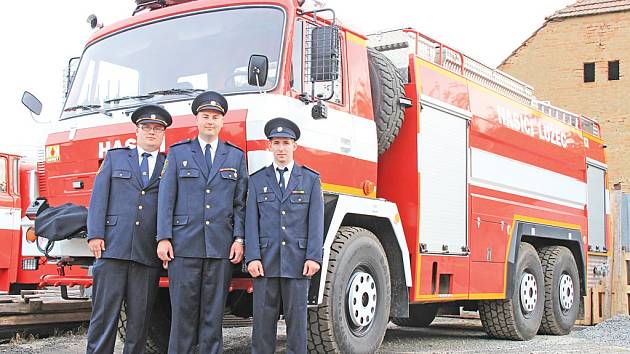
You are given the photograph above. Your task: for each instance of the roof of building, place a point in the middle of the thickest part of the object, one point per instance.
(591, 7)
(579, 8)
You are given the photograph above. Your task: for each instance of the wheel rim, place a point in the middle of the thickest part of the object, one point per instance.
(528, 292)
(361, 300)
(566, 292)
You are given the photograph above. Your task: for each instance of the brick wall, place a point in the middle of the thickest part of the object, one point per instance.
(552, 61)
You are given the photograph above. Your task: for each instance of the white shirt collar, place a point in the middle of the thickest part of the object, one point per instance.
(141, 151)
(289, 167)
(213, 145)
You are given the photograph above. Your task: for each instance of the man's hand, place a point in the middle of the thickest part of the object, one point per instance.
(96, 245)
(255, 269)
(236, 252)
(165, 252)
(310, 268)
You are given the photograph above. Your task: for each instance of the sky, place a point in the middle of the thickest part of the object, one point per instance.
(39, 36)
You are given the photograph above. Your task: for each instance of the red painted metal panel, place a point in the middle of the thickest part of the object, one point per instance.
(486, 277)
(353, 174)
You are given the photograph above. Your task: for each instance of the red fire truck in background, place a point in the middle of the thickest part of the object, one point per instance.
(18, 272)
(446, 182)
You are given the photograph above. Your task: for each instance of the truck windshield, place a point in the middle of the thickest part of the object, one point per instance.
(176, 58)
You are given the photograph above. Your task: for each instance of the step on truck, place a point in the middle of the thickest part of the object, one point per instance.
(447, 184)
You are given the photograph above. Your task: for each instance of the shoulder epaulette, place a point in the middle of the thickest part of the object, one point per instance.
(260, 169)
(232, 145)
(310, 169)
(120, 148)
(181, 142)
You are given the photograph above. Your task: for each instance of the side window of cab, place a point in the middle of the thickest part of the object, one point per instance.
(3, 175)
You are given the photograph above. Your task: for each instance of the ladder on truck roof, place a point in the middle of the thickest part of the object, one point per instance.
(398, 44)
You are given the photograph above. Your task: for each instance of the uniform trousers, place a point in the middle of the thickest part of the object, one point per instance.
(269, 295)
(114, 281)
(198, 289)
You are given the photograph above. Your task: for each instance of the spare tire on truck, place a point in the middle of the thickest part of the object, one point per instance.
(387, 90)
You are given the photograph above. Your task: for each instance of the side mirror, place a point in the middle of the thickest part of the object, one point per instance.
(32, 103)
(257, 70)
(324, 54)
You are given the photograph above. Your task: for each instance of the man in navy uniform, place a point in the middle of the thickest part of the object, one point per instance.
(284, 234)
(121, 235)
(201, 221)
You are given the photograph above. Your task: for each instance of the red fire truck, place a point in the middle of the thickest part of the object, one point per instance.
(446, 182)
(18, 272)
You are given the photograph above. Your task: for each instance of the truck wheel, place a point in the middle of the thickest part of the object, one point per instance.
(562, 290)
(419, 316)
(159, 327)
(518, 318)
(354, 313)
(387, 90)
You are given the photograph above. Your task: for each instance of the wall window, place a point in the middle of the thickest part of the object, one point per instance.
(589, 72)
(613, 70)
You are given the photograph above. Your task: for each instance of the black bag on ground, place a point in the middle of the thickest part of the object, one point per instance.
(62, 222)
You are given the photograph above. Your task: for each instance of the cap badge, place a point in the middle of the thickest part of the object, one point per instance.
(152, 116)
(279, 129)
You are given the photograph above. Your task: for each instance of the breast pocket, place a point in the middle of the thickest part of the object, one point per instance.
(188, 173)
(228, 174)
(121, 174)
(266, 197)
(298, 198)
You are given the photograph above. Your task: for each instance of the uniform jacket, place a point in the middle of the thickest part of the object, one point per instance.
(202, 211)
(284, 230)
(123, 212)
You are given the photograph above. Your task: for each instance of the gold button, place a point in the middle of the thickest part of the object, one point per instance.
(177, 221)
(284, 243)
(299, 199)
(120, 174)
(207, 191)
(137, 222)
(140, 207)
(207, 206)
(207, 222)
(284, 212)
(107, 222)
(188, 173)
(143, 192)
(265, 198)
(284, 228)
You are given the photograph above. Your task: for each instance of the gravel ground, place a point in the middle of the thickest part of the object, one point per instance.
(446, 335)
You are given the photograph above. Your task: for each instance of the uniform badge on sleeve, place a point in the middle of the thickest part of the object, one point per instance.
(184, 163)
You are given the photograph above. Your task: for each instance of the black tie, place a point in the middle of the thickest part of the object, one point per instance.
(281, 183)
(144, 168)
(208, 155)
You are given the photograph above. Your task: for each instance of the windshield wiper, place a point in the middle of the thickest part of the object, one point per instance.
(176, 91)
(83, 107)
(124, 98)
